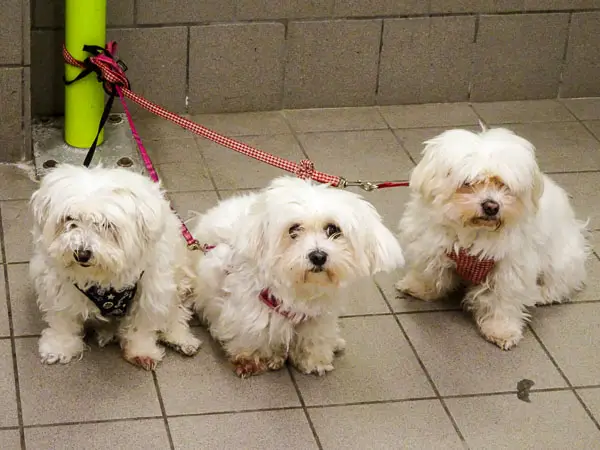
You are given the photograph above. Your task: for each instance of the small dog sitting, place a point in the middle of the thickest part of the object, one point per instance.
(268, 285)
(106, 252)
(483, 214)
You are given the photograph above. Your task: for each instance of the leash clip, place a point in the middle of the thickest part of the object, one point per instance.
(364, 185)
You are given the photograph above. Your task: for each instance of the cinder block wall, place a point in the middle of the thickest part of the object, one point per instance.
(15, 112)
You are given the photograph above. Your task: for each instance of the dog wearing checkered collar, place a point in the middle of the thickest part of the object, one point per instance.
(106, 244)
(482, 215)
(269, 289)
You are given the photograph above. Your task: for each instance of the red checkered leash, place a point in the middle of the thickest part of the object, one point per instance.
(111, 72)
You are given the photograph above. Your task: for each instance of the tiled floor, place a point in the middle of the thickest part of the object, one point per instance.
(414, 375)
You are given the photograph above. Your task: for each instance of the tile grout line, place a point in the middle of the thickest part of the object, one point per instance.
(12, 338)
(206, 166)
(304, 408)
(424, 369)
(163, 410)
(295, 408)
(564, 376)
(295, 135)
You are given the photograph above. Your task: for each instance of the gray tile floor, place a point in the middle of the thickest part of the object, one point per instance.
(414, 375)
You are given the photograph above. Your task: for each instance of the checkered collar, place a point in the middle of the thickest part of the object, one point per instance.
(471, 268)
(110, 301)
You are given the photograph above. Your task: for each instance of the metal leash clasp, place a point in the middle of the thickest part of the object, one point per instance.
(364, 185)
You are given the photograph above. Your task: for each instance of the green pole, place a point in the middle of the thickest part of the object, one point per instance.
(85, 24)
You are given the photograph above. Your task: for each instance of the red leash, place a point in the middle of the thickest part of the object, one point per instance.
(111, 72)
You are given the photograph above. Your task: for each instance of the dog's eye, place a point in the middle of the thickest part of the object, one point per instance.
(69, 221)
(295, 230)
(333, 231)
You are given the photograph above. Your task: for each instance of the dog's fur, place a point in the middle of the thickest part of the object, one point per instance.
(264, 240)
(539, 247)
(123, 219)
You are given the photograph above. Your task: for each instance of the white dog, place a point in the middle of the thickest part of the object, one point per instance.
(481, 212)
(106, 251)
(269, 287)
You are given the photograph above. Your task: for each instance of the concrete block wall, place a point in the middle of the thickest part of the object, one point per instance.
(241, 55)
(15, 113)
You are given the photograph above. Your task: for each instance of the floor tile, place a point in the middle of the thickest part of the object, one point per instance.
(245, 124)
(174, 150)
(591, 397)
(523, 112)
(400, 303)
(385, 426)
(429, 115)
(159, 128)
(185, 176)
(595, 241)
(11, 439)
(362, 298)
(124, 435)
(188, 203)
(592, 286)
(335, 119)
(561, 146)
(252, 430)
(553, 420)
(584, 108)
(373, 155)
(594, 127)
(4, 323)
(17, 224)
(413, 140)
(571, 335)
(389, 202)
(15, 183)
(116, 388)
(386, 371)
(8, 399)
(585, 196)
(232, 170)
(460, 361)
(207, 383)
(26, 316)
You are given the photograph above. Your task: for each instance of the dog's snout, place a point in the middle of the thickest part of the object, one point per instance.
(82, 255)
(318, 257)
(490, 207)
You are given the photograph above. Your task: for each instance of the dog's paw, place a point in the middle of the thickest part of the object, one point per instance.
(63, 349)
(340, 345)
(105, 337)
(145, 356)
(188, 346)
(409, 286)
(314, 365)
(501, 332)
(247, 367)
(275, 362)
(145, 362)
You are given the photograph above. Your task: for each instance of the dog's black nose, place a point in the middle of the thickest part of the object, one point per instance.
(317, 257)
(490, 207)
(82, 255)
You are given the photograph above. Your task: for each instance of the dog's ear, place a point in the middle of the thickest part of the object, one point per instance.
(538, 188)
(39, 204)
(147, 212)
(380, 246)
(424, 175)
(251, 242)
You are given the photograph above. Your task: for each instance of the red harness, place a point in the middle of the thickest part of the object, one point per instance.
(274, 303)
(472, 268)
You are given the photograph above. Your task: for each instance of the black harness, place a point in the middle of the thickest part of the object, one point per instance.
(109, 301)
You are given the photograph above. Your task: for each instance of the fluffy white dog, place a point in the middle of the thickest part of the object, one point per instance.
(268, 289)
(482, 213)
(107, 251)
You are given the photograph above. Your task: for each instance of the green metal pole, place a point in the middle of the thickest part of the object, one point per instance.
(85, 24)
